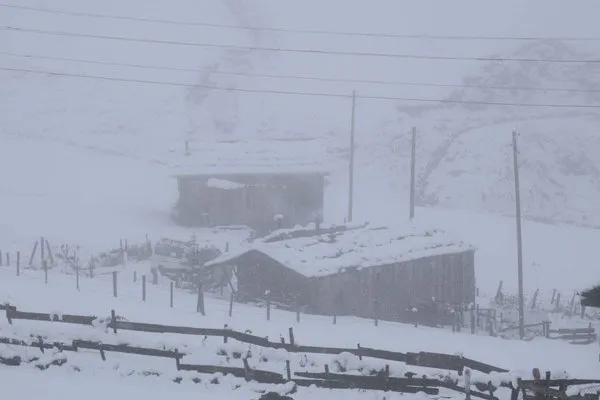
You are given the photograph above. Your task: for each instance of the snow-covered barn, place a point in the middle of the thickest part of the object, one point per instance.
(355, 270)
(259, 184)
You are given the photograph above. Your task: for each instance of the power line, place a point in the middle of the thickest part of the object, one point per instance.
(297, 77)
(289, 30)
(287, 50)
(295, 93)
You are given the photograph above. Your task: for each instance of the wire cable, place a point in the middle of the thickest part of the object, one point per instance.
(288, 50)
(295, 93)
(298, 31)
(297, 77)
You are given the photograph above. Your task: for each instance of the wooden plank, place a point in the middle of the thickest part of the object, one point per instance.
(257, 375)
(123, 348)
(572, 331)
(65, 318)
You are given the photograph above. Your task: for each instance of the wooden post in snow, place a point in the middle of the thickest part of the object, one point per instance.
(143, 287)
(114, 279)
(200, 302)
(35, 246)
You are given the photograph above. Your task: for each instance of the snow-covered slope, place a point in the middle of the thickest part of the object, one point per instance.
(463, 155)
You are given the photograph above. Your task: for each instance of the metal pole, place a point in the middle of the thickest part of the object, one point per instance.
(519, 238)
(351, 166)
(413, 163)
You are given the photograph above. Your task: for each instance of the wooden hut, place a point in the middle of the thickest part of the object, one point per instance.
(265, 185)
(360, 271)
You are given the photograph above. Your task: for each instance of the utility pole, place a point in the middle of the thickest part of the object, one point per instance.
(519, 238)
(413, 163)
(351, 165)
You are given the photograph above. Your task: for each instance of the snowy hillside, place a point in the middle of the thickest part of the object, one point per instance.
(464, 161)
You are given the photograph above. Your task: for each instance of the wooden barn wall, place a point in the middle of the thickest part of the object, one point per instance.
(258, 273)
(299, 198)
(389, 291)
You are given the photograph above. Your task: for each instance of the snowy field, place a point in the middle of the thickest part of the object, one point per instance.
(89, 162)
(122, 371)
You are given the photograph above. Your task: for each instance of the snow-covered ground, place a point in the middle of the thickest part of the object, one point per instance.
(89, 161)
(95, 298)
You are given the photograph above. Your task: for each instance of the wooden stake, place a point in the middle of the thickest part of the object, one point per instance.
(45, 264)
(35, 246)
(18, 263)
(143, 287)
(200, 302)
(171, 294)
(114, 276)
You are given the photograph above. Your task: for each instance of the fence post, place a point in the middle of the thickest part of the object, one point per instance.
(467, 384)
(225, 336)
(49, 252)
(18, 263)
(292, 339)
(231, 303)
(171, 294)
(77, 275)
(143, 287)
(473, 320)
(200, 302)
(45, 264)
(534, 301)
(113, 320)
(297, 310)
(114, 276)
(35, 245)
(558, 301)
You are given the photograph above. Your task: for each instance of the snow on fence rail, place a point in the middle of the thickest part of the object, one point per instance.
(422, 359)
(379, 381)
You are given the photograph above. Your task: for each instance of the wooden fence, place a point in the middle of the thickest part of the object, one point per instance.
(379, 380)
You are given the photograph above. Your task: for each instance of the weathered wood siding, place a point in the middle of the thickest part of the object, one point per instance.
(299, 198)
(389, 291)
(258, 273)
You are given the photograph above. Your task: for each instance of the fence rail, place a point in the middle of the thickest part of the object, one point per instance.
(380, 381)
(422, 359)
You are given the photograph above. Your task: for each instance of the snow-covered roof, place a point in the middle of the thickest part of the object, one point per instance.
(253, 156)
(351, 247)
